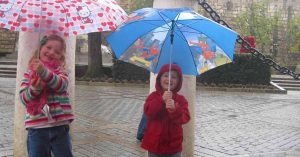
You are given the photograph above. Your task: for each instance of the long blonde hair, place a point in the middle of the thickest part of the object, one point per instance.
(44, 40)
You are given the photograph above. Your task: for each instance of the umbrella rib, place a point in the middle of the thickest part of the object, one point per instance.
(140, 35)
(196, 21)
(67, 21)
(149, 31)
(21, 9)
(162, 45)
(160, 31)
(146, 21)
(177, 35)
(160, 14)
(184, 39)
(164, 41)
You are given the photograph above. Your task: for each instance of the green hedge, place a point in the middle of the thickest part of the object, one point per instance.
(245, 69)
(122, 70)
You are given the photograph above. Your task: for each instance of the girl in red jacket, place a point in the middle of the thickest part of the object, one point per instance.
(166, 112)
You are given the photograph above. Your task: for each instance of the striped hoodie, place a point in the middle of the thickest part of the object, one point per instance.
(56, 97)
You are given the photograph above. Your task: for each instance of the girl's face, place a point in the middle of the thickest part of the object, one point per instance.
(164, 80)
(52, 51)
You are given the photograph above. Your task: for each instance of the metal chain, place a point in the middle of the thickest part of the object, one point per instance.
(214, 15)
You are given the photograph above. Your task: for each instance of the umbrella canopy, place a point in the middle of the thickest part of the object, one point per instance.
(152, 37)
(62, 17)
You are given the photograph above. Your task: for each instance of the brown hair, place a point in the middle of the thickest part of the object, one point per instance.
(44, 40)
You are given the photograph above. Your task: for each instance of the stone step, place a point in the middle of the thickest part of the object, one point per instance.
(8, 75)
(8, 67)
(286, 82)
(3, 62)
(282, 77)
(3, 71)
(292, 88)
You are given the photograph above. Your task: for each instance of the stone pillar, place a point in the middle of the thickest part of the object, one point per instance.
(189, 83)
(297, 70)
(28, 42)
(174, 3)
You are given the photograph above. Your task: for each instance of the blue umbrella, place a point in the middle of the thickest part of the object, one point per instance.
(153, 37)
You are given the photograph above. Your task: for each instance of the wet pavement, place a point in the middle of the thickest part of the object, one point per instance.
(235, 124)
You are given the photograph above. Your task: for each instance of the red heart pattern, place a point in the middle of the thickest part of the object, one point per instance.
(36, 25)
(63, 17)
(24, 28)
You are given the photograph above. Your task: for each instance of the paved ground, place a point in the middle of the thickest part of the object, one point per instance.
(236, 124)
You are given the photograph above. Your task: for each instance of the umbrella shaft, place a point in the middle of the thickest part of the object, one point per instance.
(170, 61)
(171, 51)
(172, 32)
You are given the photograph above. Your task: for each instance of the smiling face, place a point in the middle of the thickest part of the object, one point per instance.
(164, 80)
(52, 52)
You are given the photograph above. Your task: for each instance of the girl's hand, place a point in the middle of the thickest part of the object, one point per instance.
(170, 105)
(37, 66)
(36, 83)
(167, 95)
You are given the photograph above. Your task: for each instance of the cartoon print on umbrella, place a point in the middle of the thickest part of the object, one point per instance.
(207, 55)
(84, 13)
(5, 6)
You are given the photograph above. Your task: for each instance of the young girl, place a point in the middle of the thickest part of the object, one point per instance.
(44, 94)
(166, 111)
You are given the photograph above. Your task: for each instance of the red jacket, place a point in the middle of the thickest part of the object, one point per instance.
(164, 133)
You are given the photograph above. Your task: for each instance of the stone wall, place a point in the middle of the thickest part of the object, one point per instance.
(292, 59)
(7, 41)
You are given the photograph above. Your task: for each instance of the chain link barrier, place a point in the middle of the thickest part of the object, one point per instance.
(214, 15)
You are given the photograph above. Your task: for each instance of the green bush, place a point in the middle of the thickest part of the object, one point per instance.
(245, 69)
(122, 70)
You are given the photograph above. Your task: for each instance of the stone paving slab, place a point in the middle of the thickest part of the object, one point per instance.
(228, 124)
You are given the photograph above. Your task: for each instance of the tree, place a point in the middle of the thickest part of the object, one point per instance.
(138, 4)
(94, 44)
(255, 21)
(94, 56)
(294, 34)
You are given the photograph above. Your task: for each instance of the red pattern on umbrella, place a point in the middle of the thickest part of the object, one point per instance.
(63, 17)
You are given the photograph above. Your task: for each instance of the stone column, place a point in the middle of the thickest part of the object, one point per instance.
(28, 42)
(174, 3)
(189, 83)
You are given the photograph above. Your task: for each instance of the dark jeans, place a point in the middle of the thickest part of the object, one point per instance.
(41, 142)
(142, 126)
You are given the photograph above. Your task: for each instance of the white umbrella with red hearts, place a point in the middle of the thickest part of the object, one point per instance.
(62, 17)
